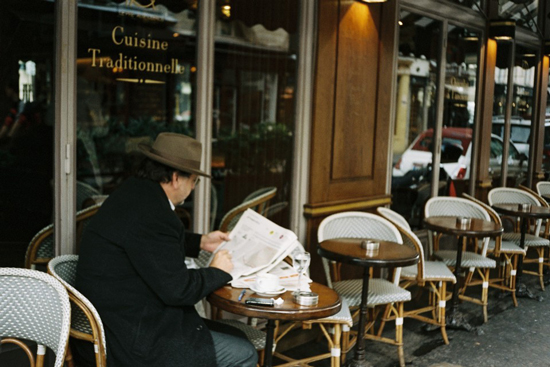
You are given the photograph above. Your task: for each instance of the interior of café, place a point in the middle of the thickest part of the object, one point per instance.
(304, 109)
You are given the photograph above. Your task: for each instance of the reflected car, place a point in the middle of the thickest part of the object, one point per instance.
(517, 163)
(520, 131)
(454, 143)
(456, 156)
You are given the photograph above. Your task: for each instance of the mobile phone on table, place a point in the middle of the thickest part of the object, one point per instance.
(267, 302)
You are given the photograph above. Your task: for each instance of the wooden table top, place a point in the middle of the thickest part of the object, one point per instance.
(533, 211)
(226, 298)
(349, 250)
(477, 227)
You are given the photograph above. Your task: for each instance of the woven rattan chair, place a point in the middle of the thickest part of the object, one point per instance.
(258, 201)
(34, 306)
(545, 224)
(543, 188)
(41, 249)
(506, 195)
(507, 250)
(84, 192)
(476, 258)
(381, 291)
(432, 275)
(85, 321)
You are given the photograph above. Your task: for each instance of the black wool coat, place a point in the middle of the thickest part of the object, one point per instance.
(132, 268)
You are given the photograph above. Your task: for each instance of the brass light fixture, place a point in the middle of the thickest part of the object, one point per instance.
(502, 30)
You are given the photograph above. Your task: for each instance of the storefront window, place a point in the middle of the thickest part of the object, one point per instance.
(26, 124)
(472, 4)
(521, 113)
(253, 120)
(459, 109)
(415, 114)
(136, 70)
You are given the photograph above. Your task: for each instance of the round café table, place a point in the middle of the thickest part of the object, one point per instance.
(478, 228)
(227, 298)
(349, 250)
(531, 212)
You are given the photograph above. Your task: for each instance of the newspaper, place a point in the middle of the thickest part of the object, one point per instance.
(257, 245)
(288, 278)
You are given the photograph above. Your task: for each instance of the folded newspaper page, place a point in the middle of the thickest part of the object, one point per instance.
(288, 278)
(257, 244)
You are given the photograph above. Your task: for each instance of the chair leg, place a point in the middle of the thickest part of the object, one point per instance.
(441, 303)
(485, 293)
(540, 252)
(336, 351)
(69, 357)
(399, 334)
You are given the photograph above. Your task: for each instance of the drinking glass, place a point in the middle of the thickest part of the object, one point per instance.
(301, 262)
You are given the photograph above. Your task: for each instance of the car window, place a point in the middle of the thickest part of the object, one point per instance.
(520, 134)
(496, 148)
(497, 129)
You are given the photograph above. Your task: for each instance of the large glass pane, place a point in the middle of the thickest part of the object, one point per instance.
(524, 12)
(415, 114)
(27, 125)
(472, 4)
(459, 109)
(522, 112)
(253, 122)
(136, 78)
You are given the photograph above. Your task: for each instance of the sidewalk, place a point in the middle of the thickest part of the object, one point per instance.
(512, 337)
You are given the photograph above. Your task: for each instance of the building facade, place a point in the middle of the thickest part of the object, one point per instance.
(340, 105)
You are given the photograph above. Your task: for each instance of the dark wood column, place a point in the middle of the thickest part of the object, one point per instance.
(352, 112)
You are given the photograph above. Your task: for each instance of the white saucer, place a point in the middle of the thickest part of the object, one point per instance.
(268, 293)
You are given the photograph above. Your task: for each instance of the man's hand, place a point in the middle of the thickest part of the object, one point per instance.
(222, 260)
(211, 241)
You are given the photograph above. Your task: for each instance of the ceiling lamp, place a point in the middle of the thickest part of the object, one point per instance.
(502, 30)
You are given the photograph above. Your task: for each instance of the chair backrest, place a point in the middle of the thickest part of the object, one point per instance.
(446, 206)
(34, 306)
(543, 188)
(41, 249)
(356, 225)
(85, 318)
(393, 217)
(494, 217)
(535, 194)
(259, 203)
(83, 192)
(509, 195)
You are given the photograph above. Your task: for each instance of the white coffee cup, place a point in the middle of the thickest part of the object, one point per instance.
(267, 282)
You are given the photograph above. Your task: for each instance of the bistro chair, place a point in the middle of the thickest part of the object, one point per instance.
(34, 306)
(85, 321)
(475, 259)
(545, 223)
(543, 188)
(41, 249)
(84, 193)
(509, 251)
(258, 201)
(431, 275)
(506, 195)
(381, 291)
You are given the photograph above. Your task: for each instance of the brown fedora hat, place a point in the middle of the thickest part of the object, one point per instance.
(176, 151)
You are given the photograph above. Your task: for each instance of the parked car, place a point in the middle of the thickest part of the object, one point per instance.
(455, 142)
(456, 156)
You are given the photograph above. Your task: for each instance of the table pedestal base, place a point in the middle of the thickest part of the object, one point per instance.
(458, 321)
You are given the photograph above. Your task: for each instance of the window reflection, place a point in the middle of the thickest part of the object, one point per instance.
(135, 78)
(524, 12)
(253, 122)
(415, 114)
(26, 124)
